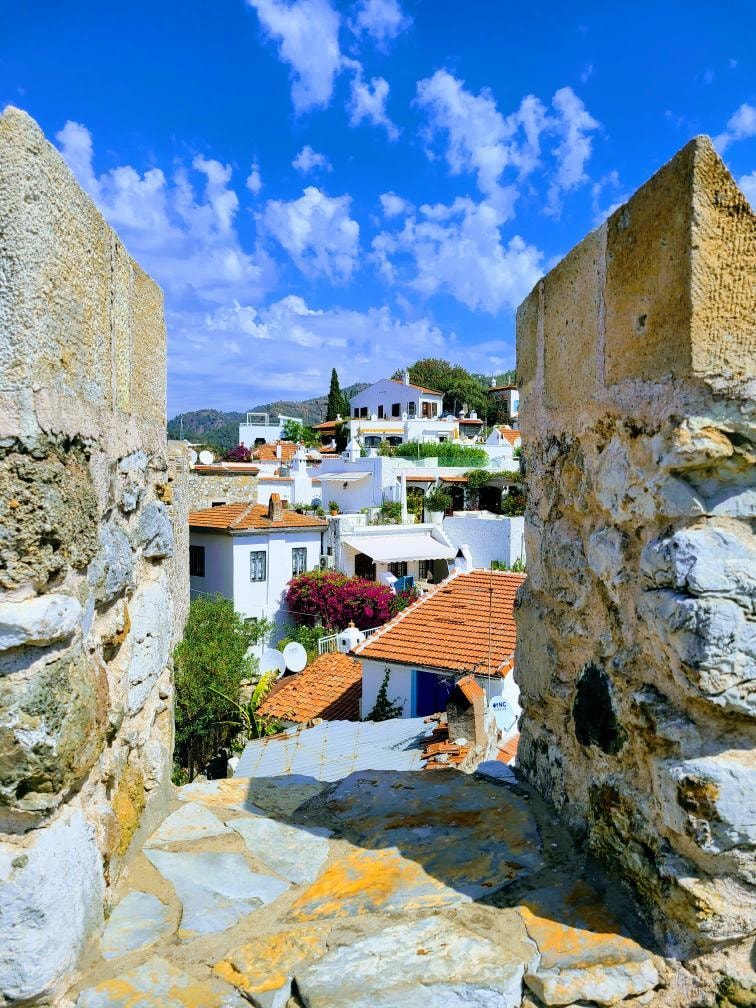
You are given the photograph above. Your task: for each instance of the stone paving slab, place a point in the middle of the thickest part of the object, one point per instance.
(191, 822)
(404, 964)
(371, 882)
(295, 853)
(215, 889)
(274, 795)
(157, 984)
(139, 920)
(263, 970)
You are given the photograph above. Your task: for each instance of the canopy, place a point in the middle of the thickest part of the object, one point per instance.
(344, 477)
(406, 546)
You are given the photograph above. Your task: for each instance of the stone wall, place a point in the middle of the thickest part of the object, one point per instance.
(636, 638)
(87, 562)
(231, 488)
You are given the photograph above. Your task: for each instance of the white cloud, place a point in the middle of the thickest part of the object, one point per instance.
(608, 187)
(747, 184)
(317, 232)
(458, 249)
(394, 205)
(383, 20)
(307, 32)
(254, 180)
(575, 125)
(368, 102)
(293, 347)
(180, 229)
(308, 160)
(740, 126)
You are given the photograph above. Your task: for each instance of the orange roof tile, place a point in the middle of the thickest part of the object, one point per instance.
(329, 688)
(508, 751)
(422, 388)
(221, 469)
(451, 627)
(267, 452)
(470, 688)
(509, 435)
(239, 517)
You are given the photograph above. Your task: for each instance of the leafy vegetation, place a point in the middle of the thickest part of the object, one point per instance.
(307, 636)
(516, 567)
(385, 709)
(338, 404)
(459, 386)
(476, 478)
(299, 433)
(212, 662)
(389, 513)
(448, 453)
(438, 499)
(335, 600)
(239, 454)
(245, 722)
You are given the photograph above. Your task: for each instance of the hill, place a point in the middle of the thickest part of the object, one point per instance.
(220, 429)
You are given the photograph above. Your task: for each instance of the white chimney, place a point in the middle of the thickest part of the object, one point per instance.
(279, 453)
(406, 377)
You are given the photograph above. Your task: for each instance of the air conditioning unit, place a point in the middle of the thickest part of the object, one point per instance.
(326, 561)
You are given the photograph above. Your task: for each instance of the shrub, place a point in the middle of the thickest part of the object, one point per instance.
(390, 513)
(438, 500)
(476, 478)
(307, 636)
(239, 454)
(336, 600)
(447, 452)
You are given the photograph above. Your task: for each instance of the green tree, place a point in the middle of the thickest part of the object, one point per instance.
(458, 385)
(337, 401)
(385, 709)
(299, 433)
(212, 662)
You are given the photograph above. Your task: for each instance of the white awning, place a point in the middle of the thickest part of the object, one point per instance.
(408, 546)
(344, 477)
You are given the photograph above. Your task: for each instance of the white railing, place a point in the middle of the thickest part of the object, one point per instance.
(330, 644)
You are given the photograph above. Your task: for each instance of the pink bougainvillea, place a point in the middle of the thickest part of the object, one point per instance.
(239, 454)
(336, 600)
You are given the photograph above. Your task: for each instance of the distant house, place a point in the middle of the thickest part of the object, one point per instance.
(465, 627)
(249, 553)
(329, 689)
(222, 483)
(507, 399)
(398, 411)
(262, 428)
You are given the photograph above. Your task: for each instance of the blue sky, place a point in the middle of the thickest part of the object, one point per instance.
(320, 184)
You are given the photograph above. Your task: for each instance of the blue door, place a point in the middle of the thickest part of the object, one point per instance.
(431, 692)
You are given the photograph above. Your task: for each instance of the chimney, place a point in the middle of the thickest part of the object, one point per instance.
(275, 508)
(279, 453)
(406, 377)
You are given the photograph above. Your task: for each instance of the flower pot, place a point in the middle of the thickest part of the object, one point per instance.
(434, 517)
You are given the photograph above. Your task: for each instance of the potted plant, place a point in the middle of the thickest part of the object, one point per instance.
(333, 507)
(436, 502)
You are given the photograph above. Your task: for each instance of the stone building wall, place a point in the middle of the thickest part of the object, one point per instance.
(89, 607)
(231, 488)
(636, 649)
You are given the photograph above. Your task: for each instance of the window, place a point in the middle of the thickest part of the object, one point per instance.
(197, 561)
(380, 412)
(298, 560)
(411, 409)
(398, 568)
(364, 412)
(426, 569)
(257, 565)
(356, 412)
(396, 409)
(426, 410)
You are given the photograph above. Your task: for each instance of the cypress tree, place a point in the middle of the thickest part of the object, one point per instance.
(335, 398)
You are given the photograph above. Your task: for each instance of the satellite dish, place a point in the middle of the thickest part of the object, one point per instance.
(193, 457)
(272, 661)
(206, 457)
(295, 656)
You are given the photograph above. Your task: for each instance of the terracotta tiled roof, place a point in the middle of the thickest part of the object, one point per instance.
(508, 751)
(470, 688)
(449, 628)
(327, 425)
(470, 421)
(267, 452)
(509, 435)
(238, 517)
(329, 688)
(454, 479)
(422, 388)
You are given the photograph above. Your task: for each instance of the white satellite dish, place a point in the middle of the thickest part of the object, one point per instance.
(206, 457)
(295, 656)
(193, 457)
(272, 661)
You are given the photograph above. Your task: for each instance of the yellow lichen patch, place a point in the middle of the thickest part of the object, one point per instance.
(366, 881)
(557, 941)
(128, 805)
(267, 964)
(155, 984)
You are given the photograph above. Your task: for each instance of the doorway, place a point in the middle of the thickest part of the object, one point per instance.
(431, 692)
(364, 567)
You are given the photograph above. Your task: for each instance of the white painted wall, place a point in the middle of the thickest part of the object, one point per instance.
(489, 536)
(270, 431)
(218, 577)
(387, 392)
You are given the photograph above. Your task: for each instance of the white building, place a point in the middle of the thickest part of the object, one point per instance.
(249, 553)
(488, 537)
(398, 411)
(465, 627)
(508, 398)
(262, 428)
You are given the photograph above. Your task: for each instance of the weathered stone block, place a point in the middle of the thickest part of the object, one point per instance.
(38, 621)
(112, 570)
(51, 732)
(154, 531)
(572, 307)
(151, 612)
(527, 338)
(51, 891)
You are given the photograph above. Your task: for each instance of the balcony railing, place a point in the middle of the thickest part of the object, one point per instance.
(330, 644)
